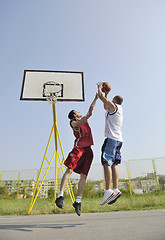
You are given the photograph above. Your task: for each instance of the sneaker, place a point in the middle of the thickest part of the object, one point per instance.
(59, 202)
(114, 199)
(77, 207)
(108, 195)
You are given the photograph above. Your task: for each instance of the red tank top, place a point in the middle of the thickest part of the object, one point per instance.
(83, 135)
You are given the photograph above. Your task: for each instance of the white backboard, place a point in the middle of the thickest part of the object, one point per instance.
(34, 82)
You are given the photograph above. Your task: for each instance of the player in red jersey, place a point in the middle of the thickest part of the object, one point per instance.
(80, 158)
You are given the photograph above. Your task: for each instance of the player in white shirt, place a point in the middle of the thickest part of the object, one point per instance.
(111, 155)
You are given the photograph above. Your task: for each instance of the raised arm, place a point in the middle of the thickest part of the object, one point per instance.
(89, 114)
(107, 103)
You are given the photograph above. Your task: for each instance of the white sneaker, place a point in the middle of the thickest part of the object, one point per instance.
(108, 194)
(115, 197)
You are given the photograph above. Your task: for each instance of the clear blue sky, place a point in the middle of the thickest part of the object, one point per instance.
(122, 42)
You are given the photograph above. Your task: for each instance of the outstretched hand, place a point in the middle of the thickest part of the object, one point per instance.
(92, 105)
(100, 85)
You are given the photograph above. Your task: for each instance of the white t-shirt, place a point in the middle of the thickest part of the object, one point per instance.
(113, 123)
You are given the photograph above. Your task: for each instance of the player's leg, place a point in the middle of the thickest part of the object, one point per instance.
(115, 173)
(108, 192)
(83, 169)
(115, 177)
(107, 158)
(87, 158)
(81, 186)
(64, 179)
(107, 175)
(60, 198)
(70, 163)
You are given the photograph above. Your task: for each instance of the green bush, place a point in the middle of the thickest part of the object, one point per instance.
(125, 192)
(91, 190)
(51, 193)
(13, 195)
(3, 192)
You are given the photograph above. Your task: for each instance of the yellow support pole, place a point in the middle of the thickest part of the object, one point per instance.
(19, 173)
(56, 148)
(129, 178)
(156, 176)
(60, 145)
(0, 177)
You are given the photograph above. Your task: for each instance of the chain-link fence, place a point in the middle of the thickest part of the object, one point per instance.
(136, 176)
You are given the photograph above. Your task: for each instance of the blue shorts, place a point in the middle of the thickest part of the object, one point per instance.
(111, 152)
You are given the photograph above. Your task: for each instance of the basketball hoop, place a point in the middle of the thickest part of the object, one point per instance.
(52, 90)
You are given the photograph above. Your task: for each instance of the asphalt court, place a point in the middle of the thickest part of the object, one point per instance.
(131, 225)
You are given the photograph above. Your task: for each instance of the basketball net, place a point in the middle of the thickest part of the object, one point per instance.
(52, 90)
(52, 97)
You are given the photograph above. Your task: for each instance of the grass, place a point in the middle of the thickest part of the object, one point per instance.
(46, 206)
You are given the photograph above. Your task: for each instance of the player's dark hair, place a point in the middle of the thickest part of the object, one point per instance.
(118, 99)
(71, 114)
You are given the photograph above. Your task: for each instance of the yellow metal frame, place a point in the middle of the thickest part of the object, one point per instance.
(56, 156)
(129, 178)
(156, 176)
(19, 173)
(0, 177)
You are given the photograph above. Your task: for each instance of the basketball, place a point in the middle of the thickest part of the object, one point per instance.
(106, 87)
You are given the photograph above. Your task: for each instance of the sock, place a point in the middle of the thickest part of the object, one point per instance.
(116, 190)
(109, 190)
(60, 194)
(78, 199)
